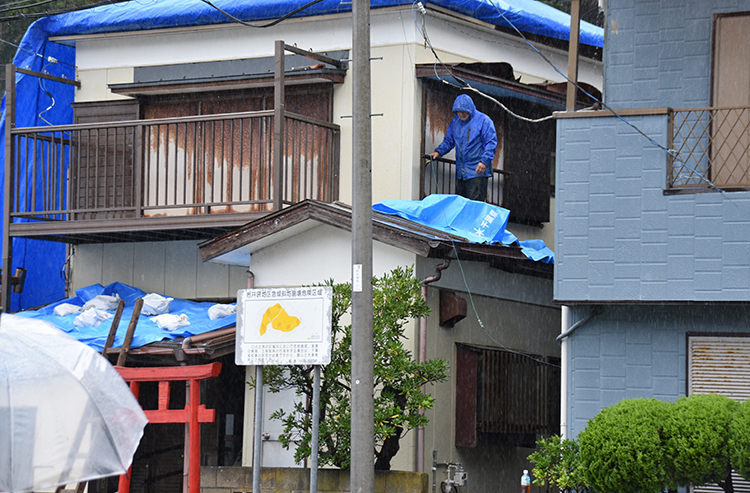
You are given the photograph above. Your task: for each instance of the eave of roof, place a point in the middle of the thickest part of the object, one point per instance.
(391, 230)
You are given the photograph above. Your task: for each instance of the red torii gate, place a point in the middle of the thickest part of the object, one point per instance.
(192, 415)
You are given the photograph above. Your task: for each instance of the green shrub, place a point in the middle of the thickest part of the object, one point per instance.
(739, 442)
(696, 440)
(622, 449)
(558, 463)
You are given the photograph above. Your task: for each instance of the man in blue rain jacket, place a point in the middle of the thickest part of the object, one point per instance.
(473, 135)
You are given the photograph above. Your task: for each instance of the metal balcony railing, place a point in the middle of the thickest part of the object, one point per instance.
(711, 148)
(171, 167)
(439, 176)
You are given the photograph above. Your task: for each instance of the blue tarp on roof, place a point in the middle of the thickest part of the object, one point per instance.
(146, 330)
(528, 16)
(478, 222)
(34, 101)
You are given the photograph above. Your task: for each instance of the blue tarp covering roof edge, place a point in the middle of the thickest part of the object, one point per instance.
(45, 283)
(478, 222)
(528, 16)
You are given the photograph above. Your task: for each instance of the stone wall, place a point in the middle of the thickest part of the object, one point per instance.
(297, 480)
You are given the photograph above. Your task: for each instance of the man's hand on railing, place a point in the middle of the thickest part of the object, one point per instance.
(436, 157)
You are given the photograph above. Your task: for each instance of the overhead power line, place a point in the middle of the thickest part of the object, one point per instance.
(48, 13)
(272, 23)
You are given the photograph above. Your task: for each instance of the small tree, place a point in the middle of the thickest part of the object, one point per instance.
(696, 440)
(558, 463)
(398, 397)
(622, 448)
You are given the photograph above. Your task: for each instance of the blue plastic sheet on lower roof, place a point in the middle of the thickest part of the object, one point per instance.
(146, 331)
(478, 222)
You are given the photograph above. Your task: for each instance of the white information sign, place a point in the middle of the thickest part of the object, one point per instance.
(284, 326)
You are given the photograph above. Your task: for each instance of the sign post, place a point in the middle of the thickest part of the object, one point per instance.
(284, 326)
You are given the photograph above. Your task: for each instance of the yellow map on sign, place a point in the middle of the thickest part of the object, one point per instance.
(279, 319)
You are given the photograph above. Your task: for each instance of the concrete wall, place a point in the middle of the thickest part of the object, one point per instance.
(297, 480)
(619, 237)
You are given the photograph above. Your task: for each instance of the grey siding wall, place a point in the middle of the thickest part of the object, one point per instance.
(619, 238)
(626, 353)
(658, 52)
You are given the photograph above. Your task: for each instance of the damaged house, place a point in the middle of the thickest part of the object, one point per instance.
(184, 149)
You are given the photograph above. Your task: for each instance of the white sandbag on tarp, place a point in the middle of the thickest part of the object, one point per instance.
(103, 302)
(91, 316)
(155, 304)
(66, 309)
(220, 311)
(170, 321)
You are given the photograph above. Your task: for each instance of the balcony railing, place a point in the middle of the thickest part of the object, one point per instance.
(171, 167)
(711, 148)
(439, 176)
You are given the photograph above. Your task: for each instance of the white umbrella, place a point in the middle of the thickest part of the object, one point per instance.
(66, 415)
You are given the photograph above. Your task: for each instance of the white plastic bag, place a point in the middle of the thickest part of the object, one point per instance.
(155, 304)
(91, 316)
(103, 302)
(66, 309)
(220, 311)
(170, 321)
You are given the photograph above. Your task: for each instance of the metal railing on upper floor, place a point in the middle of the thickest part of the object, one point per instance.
(186, 166)
(711, 148)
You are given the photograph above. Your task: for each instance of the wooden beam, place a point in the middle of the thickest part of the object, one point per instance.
(53, 78)
(575, 26)
(7, 247)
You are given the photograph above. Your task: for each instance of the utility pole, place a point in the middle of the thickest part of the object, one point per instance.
(363, 414)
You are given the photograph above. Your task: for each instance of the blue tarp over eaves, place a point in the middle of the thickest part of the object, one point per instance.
(478, 222)
(35, 107)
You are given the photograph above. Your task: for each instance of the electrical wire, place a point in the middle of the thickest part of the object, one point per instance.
(261, 26)
(49, 13)
(49, 59)
(468, 289)
(10, 7)
(465, 84)
(671, 152)
(52, 105)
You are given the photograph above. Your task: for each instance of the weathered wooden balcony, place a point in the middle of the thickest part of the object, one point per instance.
(173, 178)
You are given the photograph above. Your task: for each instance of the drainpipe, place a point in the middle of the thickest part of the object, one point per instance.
(423, 352)
(563, 340)
(564, 373)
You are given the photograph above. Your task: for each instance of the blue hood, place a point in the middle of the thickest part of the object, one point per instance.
(464, 103)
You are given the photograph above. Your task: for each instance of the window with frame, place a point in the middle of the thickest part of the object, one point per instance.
(505, 396)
